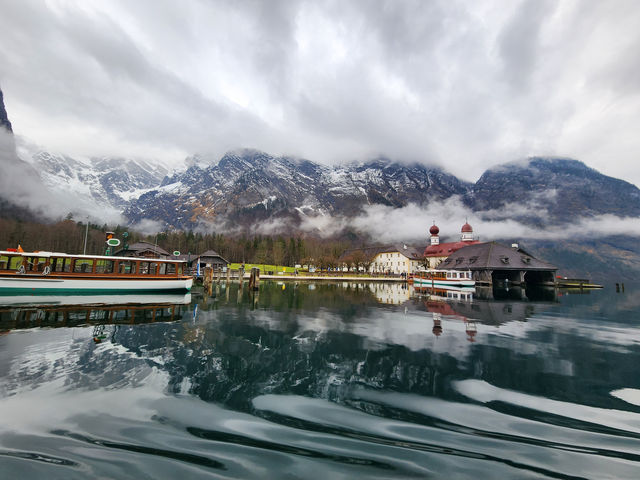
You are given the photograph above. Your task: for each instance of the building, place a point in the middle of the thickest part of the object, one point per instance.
(391, 259)
(436, 252)
(397, 259)
(492, 262)
(144, 250)
(210, 258)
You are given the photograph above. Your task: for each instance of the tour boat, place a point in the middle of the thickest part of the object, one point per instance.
(443, 278)
(49, 272)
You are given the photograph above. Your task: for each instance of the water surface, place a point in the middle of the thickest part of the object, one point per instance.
(325, 381)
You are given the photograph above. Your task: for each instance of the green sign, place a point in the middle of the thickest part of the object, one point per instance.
(113, 242)
(176, 253)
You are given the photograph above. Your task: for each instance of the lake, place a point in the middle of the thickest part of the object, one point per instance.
(324, 380)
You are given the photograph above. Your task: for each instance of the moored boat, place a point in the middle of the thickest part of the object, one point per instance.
(443, 278)
(51, 272)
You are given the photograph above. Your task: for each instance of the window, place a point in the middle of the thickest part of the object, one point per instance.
(153, 268)
(83, 265)
(163, 269)
(504, 260)
(11, 263)
(60, 264)
(126, 266)
(144, 268)
(104, 266)
(171, 268)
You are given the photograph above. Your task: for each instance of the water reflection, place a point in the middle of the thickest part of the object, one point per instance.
(328, 380)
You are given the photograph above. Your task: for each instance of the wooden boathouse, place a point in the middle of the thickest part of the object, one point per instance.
(492, 263)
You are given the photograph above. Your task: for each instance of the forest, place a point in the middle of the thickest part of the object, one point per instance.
(69, 236)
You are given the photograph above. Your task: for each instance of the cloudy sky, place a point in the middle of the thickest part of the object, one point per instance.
(461, 84)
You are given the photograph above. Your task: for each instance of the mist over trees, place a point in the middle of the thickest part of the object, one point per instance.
(69, 236)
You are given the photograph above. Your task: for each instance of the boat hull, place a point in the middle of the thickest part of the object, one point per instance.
(45, 285)
(443, 282)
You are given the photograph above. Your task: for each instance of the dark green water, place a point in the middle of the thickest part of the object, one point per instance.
(324, 381)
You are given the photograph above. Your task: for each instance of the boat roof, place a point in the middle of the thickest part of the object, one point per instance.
(98, 257)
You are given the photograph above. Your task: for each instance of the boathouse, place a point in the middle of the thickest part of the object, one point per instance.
(144, 250)
(210, 258)
(492, 263)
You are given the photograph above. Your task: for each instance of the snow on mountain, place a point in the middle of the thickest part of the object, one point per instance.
(247, 185)
(109, 182)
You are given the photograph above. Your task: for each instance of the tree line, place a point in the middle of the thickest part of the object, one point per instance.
(69, 236)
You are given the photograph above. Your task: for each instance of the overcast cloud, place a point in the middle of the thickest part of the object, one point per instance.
(465, 85)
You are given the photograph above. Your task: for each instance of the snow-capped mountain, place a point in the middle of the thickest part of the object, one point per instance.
(245, 185)
(110, 182)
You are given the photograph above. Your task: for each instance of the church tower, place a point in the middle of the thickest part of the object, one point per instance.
(466, 234)
(434, 231)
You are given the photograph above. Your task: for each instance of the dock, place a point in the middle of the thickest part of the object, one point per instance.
(576, 283)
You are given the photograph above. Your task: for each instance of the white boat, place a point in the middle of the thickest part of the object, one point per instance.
(53, 273)
(444, 278)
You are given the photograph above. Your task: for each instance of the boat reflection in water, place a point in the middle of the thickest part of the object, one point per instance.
(21, 312)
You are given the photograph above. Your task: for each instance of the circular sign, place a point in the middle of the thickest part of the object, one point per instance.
(176, 253)
(113, 242)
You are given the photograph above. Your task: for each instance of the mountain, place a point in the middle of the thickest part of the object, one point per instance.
(247, 185)
(556, 189)
(4, 118)
(106, 181)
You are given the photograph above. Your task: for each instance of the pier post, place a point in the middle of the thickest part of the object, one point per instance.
(254, 280)
(228, 275)
(207, 280)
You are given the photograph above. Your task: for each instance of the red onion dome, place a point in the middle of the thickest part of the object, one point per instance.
(434, 230)
(466, 228)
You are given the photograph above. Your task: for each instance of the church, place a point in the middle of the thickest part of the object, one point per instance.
(437, 252)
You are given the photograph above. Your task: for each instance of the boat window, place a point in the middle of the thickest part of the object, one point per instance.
(153, 268)
(83, 265)
(104, 266)
(16, 263)
(179, 269)
(144, 268)
(35, 264)
(126, 266)
(41, 262)
(171, 268)
(163, 269)
(56, 264)
(60, 264)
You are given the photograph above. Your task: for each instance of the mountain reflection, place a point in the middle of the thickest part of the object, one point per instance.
(325, 340)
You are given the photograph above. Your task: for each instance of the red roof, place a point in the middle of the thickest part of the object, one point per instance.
(445, 249)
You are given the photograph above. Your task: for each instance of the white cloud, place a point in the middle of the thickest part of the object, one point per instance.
(411, 223)
(465, 85)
